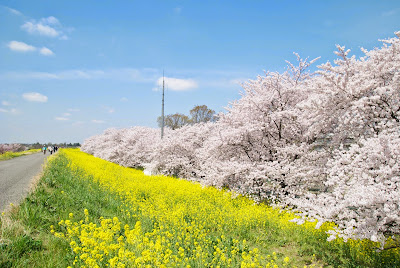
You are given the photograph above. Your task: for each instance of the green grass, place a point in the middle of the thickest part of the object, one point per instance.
(26, 240)
(9, 155)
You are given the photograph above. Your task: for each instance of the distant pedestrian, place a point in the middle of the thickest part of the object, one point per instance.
(44, 149)
(51, 149)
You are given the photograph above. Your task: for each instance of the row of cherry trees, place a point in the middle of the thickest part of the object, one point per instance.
(11, 147)
(326, 143)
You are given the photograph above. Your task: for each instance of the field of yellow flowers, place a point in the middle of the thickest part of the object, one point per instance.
(185, 224)
(87, 212)
(9, 155)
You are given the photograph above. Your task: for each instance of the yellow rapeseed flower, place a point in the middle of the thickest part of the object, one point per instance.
(172, 222)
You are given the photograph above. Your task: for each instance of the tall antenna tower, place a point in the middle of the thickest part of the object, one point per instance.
(162, 107)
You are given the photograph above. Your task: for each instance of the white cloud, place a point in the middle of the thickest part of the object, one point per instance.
(50, 20)
(61, 118)
(98, 121)
(124, 99)
(123, 74)
(238, 81)
(34, 96)
(14, 11)
(29, 75)
(146, 76)
(23, 47)
(177, 84)
(78, 123)
(50, 27)
(64, 117)
(78, 74)
(45, 51)
(73, 110)
(10, 111)
(40, 29)
(109, 109)
(20, 46)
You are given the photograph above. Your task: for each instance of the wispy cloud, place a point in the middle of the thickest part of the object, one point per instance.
(61, 118)
(98, 121)
(217, 78)
(64, 117)
(50, 20)
(78, 123)
(20, 46)
(204, 78)
(128, 74)
(34, 97)
(109, 110)
(49, 27)
(389, 13)
(238, 81)
(73, 110)
(177, 84)
(9, 111)
(124, 99)
(28, 75)
(46, 52)
(14, 11)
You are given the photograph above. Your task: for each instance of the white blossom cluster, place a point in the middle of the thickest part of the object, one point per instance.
(12, 147)
(132, 147)
(326, 143)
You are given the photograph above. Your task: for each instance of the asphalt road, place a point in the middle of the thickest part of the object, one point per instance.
(16, 176)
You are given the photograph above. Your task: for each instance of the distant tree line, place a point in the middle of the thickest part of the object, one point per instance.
(38, 145)
(199, 113)
(16, 147)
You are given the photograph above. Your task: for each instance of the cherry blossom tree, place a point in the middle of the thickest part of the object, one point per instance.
(178, 152)
(326, 143)
(12, 147)
(130, 147)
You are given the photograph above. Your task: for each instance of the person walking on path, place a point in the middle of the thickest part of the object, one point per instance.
(44, 149)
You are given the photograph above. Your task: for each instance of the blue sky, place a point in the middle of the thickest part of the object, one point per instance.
(70, 69)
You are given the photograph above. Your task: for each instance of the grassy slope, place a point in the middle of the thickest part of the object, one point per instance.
(26, 241)
(25, 235)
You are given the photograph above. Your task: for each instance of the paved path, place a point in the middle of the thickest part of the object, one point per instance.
(16, 175)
